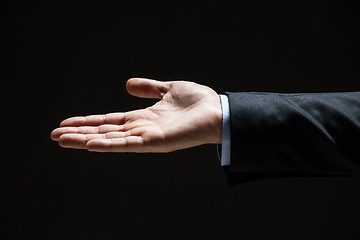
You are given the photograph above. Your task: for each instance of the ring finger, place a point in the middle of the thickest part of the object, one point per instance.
(78, 141)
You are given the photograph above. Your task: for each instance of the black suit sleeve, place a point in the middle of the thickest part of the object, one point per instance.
(293, 135)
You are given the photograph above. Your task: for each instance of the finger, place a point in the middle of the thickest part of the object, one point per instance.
(127, 144)
(94, 120)
(85, 130)
(56, 133)
(77, 141)
(147, 88)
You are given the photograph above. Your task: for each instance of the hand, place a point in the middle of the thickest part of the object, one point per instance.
(187, 115)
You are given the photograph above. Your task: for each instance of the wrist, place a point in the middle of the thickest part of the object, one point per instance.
(217, 118)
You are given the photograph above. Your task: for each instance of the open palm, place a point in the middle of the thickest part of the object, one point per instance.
(187, 115)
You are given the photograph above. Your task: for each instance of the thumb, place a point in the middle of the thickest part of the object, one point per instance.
(147, 88)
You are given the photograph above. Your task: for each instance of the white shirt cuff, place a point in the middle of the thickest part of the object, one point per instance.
(225, 146)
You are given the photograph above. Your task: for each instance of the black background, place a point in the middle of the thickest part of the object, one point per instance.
(64, 60)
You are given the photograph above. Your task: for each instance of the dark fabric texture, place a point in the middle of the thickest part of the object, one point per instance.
(293, 135)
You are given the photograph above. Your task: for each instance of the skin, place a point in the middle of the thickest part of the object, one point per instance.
(186, 115)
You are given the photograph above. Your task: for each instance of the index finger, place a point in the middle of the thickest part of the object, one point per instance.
(94, 120)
